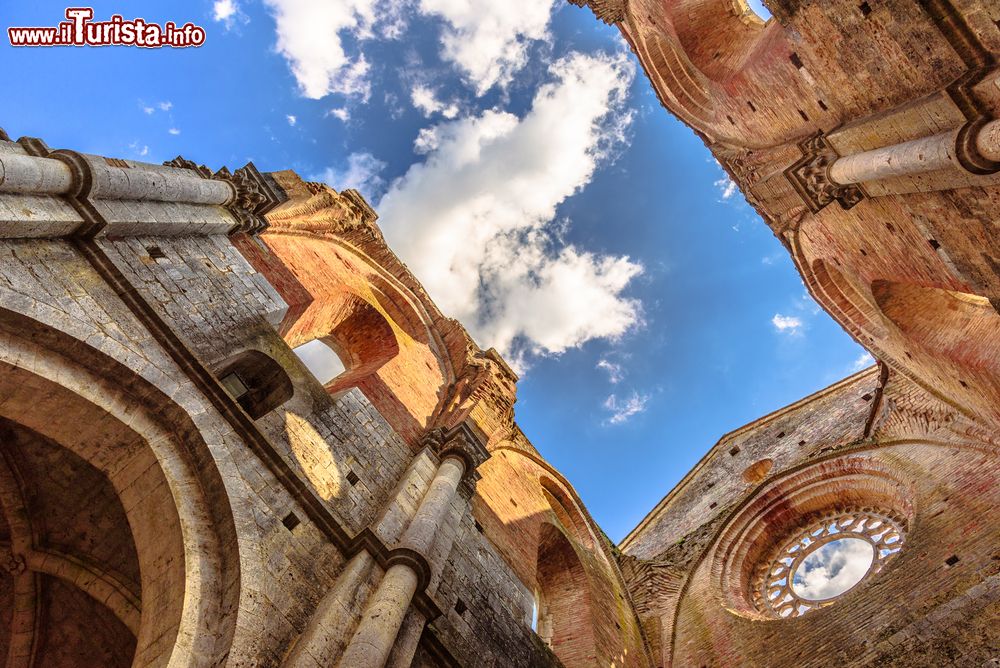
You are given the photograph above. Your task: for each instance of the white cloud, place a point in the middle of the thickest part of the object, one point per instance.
(148, 110)
(727, 187)
(426, 101)
(488, 40)
(863, 361)
(291, 120)
(174, 131)
(624, 408)
(141, 151)
(833, 569)
(476, 221)
(340, 112)
(228, 12)
(615, 373)
(166, 106)
(363, 173)
(310, 37)
(789, 324)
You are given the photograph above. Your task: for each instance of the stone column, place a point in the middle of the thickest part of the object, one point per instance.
(376, 633)
(29, 174)
(927, 154)
(460, 451)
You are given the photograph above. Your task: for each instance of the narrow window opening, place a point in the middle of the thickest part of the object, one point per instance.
(865, 8)
(803, 115)
(322, 360)
(713, 504)
(731, 119)
(352, 478)
(479, 527)
(750, 104)
(796, 60)
(934, 243)
(257, 382)
(460, 607)
(234, 385)
(802, 442)
(781, 434)
(866, 397)
(735, 450)
(951, 561)
(822, 105)
(290, 521)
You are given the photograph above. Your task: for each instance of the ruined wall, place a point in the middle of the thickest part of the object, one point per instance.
(693, 563)
(267, 510)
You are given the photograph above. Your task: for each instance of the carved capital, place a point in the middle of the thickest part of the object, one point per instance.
(463, 441)
(255, 194)
(810, 176)
(12, 563)
(609, 11)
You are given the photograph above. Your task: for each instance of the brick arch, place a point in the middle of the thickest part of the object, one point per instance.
(847, 299)
(565, 612)
(686, 91)
(718, 36)
(155, 461)
(957, 326)
(566, 511)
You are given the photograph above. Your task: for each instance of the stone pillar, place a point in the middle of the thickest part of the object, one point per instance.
(376, 633)
(460, 452)
(927, 154)
(912, 157)
(29, 174)
(988, 141)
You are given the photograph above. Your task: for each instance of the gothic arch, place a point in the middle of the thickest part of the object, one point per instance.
(957, 326)
(157, 465)
(566, 512)
(565, 612)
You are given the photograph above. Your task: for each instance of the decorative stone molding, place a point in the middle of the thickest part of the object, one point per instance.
(12, 563)
(254, 197)
(811, 178)
(609, 11)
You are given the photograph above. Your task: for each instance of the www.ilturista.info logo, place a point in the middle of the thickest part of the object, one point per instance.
(80, 30)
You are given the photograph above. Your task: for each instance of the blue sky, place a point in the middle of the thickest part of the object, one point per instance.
(574, 223)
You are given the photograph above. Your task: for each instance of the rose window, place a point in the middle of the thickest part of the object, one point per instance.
(821, 562)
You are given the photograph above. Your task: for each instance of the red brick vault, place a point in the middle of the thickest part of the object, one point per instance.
(177, 488)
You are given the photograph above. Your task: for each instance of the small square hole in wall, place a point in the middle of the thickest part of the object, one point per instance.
(290, 521)
(781, 434)
(460, 607)
(795, 60)
(822, 105)
(479, 527)
(934, 243)
(866, 397)
(156, 253)
(951, 561)
(352, 478)
(713, 504)
(735, 450)
(802, 442)
(865, 8)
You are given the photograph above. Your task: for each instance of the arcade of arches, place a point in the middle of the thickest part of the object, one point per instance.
(236, 431)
